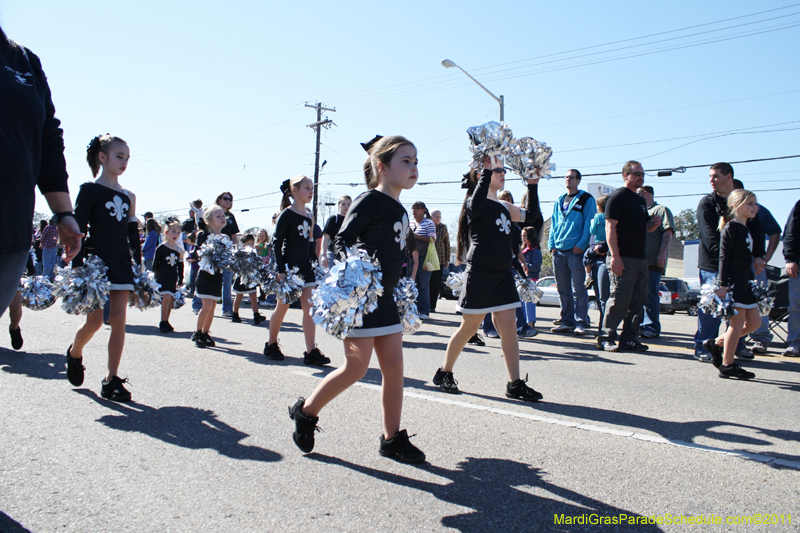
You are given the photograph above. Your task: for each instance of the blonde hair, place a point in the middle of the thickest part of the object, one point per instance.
(382, 152)
(736, 199)
(168, 223)
(209, 212)
(342, 199)
(294, 183)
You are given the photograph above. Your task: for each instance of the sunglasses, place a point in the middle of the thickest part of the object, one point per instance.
(227, 198)
(636, 174)
(500, 170)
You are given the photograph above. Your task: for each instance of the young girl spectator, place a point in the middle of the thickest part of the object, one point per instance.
(594, 258)
(263, 251)
(109, 212)
(378, 223)
(240, 289)
(150, 243)
(293, 235)
(489, 285)
(533, 259)
(735, 274)
(165, 266)
(209, 286)
(332, 228)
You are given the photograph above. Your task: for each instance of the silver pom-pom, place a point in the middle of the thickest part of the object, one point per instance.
(528, 291)
(405, 294)
(288, 290)
(713, 305)
(527, 155)
(349, 291)
(245, 265)
(180, 298)
(320, 272)
(456, 282)
(145, 289)
(37, 293)
(83, 289)
(267, 277)
(765, 301)
(490, 139)
(216, 254)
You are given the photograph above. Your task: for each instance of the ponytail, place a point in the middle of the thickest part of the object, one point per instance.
(380, 150)
(469, 181)
(101, 143)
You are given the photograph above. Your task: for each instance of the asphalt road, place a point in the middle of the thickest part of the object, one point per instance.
(206, 444)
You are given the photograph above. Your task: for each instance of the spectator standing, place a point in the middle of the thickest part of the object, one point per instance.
(533, 262)
(657, 250)
(711, 208)
(332, 228)
(443, 251)
(32, 148)
(791, 252)
(231, 229)
(569, 237)
(49, 250)
(425, 233)
(627, 224)
(151, 242)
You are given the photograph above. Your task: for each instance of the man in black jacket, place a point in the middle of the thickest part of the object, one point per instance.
(791, 252)
(709, 210)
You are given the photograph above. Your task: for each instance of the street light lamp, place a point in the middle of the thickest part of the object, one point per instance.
(446, 63)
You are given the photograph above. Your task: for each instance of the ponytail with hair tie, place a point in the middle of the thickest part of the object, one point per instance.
(285, 186)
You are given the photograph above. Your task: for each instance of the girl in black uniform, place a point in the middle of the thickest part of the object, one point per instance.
(108, 211)
(240, 289)
(165, 265)
(489, 285)
(209, 286)
(293, 233)
(735, 274)
(377, 223)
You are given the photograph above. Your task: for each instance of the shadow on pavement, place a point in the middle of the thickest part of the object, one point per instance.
(40, 366)
(187, 427)
(490, 488)
(9, 525)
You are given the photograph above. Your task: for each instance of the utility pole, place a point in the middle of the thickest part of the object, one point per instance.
(317, 126)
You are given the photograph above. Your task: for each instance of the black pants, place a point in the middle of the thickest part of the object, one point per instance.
(436, 287)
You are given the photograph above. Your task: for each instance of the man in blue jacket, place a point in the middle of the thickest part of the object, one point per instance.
(569, 237)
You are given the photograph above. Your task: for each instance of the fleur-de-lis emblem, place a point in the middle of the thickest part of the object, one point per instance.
(304, 229)
(172, 259)
(117, 208)
(749, 242)
(503, 223)
(402, 231)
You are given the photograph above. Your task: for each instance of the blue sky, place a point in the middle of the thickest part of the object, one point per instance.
(210, 95)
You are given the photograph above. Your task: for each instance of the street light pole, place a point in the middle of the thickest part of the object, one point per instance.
(446, 63)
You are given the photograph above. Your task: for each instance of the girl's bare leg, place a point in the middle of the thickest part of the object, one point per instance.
(731, 338)
(254, 303)
(276, 321)
(469, 327)
(389, 350)
(357, 353)
(309, 327)
(15, 310)
(207, 309)
(116, 341)
(209, 318)
(506, 324)
(85, 333)
(237, 302)
(166, 307)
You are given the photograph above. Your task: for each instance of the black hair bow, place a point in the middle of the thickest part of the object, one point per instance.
(285, 186)
(368, 145)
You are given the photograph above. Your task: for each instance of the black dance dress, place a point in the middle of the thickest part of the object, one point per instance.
(165, 266)
(209, 286)
(489, 284)
(104, 211)
(736, 263)
(378, 224)
(293, 233)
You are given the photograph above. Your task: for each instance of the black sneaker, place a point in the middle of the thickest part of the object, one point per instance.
(235, 318)
(258, 318)
(734, 371)
(633, 346)
(199, 339)
(164, 327)
(476, 340)
(304, 426)
(115, 391)
(715, 350)
(445, 381)
(315, 357)
(400, 449)
(75, 369)
(209, 341)
(519, 390)
(607, 345)
(16, 337)
(273, 351)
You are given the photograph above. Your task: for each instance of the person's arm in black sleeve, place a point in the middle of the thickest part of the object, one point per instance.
(134, 242)
(53, 169)
(754, 225)
(477, 202)
(791, 236)
(360, 215)
(158, 258)
(518, 266)
(726, 249)
(707, 224)
(531, 210)
(280, 236)
(83, 211)
(180, 272)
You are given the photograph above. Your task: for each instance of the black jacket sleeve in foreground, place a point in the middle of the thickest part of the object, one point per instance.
(791, 236)
(532, 210)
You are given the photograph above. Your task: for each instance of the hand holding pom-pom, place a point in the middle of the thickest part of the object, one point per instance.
(216, 254)
(405, 294)
(456, 282)
(145, 293)
(528, 291)
(712, 304)
(82, 289)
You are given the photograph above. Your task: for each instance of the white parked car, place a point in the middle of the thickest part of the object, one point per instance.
(550, 293)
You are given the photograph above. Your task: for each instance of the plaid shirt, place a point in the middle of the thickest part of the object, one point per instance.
(49, 236)
(442, 244)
